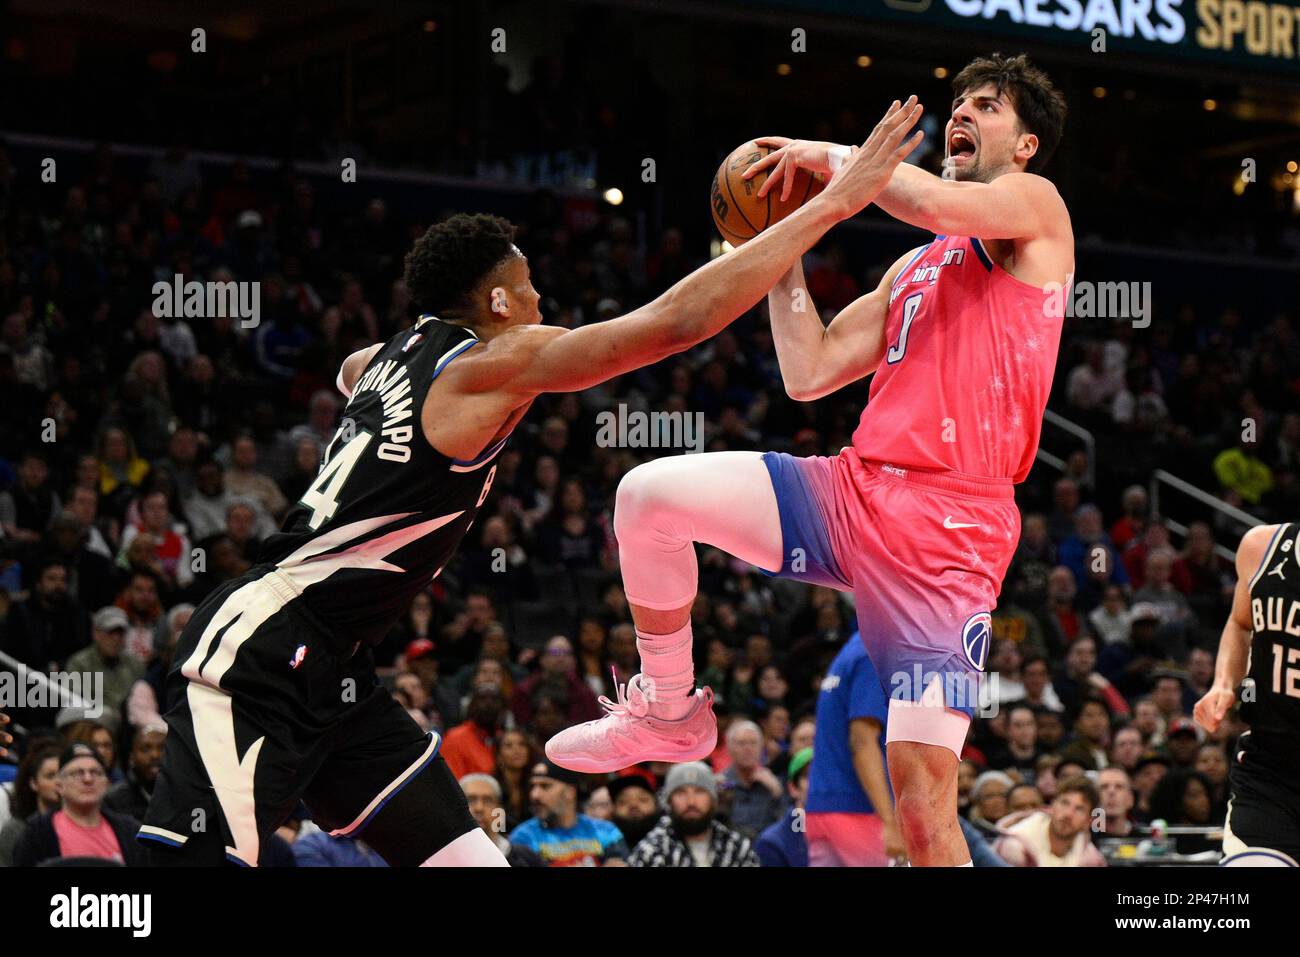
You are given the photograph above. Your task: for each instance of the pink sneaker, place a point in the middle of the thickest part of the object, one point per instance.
(628, 734)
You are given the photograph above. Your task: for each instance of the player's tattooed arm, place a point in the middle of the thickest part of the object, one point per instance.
(1234, 644)
(816, 360)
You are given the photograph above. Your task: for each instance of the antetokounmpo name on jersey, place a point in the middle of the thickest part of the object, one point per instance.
(391, 381)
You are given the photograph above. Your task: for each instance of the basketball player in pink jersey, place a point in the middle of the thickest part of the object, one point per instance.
(917, 518)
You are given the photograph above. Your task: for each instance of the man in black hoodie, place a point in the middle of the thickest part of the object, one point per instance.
(131, 796)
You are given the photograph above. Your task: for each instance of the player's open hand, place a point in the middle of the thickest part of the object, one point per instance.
(787, 158)
(864, 174)
(1212, 708)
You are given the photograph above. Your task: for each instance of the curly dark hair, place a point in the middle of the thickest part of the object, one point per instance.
(1039, 105)
(450, 260)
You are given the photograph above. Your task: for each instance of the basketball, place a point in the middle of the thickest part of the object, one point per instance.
(738, 212)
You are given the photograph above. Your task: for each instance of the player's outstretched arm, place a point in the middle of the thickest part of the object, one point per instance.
(816, 360)
(1234, 644)
(706, 301)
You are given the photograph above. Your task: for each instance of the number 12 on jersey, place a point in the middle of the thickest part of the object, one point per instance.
(910, 305)
(1290, 684)
(323, 495)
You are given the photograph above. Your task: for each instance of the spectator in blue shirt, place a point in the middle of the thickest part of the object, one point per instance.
(850, 806)
(557, 832)
(785, 843)
(751, 794)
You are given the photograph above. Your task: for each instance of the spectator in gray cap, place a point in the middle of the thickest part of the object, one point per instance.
(689, 835)
(105, 656)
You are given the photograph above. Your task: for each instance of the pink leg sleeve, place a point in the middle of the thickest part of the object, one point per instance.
(724, 499)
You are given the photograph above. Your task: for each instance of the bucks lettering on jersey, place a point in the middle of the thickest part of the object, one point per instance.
(1275, 646)
(386, 510)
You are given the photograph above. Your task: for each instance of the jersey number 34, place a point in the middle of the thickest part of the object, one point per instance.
(323, 495)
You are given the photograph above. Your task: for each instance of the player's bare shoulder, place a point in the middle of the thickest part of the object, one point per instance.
(496, 363)
(1250, 553)
(1041, 195)
(1044, 251)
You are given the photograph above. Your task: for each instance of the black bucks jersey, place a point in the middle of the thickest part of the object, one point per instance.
(386, 510)
(1274, 712)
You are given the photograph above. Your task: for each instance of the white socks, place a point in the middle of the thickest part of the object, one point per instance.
(669, 672)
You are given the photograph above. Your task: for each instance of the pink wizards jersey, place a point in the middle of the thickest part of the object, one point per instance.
(965, 379)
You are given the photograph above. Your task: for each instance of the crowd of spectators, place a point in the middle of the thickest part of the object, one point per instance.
(144, 458)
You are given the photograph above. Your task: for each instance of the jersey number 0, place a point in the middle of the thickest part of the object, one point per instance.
(910, 306)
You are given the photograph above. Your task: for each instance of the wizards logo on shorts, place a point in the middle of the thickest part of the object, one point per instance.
(975, 637)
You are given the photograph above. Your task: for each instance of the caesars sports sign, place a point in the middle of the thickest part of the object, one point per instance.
(1255, 34)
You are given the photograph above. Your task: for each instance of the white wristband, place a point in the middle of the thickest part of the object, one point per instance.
(836, 156)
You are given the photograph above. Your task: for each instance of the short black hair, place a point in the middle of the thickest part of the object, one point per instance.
(452, 258)
(1022, 706)
(1038, 103)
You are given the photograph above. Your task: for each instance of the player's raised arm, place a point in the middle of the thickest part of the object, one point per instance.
(707, 300)
(816, 360)
(1234, 644)
(1006, 120)
(1013, 206)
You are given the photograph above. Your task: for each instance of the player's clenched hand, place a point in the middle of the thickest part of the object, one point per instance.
(5, 737)
(865, 173)
(1210, 710)
(787, 158)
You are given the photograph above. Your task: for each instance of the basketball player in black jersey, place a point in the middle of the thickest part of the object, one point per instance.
(1261, 647)
(273, 698)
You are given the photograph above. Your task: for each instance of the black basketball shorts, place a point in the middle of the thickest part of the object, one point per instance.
(1263, 813)
(264, 711)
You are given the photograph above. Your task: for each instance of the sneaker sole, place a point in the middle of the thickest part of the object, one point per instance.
(585, 766)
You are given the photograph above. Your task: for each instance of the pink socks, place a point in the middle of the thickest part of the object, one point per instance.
(669, 672)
